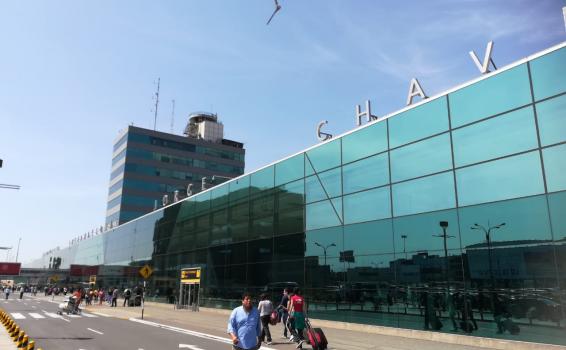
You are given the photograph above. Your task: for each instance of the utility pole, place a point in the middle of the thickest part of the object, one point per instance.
(172, 114)
(18, 250)
(156, 104)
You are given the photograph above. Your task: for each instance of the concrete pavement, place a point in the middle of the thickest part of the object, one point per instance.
(341, 335)
(6, 342)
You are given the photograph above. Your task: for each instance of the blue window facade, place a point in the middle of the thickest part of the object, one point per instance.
(453, 210)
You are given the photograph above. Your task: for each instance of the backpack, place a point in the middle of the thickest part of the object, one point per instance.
(274, 318)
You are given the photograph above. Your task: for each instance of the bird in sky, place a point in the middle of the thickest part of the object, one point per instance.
(277, 8)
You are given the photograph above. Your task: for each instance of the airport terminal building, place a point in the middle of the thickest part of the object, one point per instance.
(451, 209)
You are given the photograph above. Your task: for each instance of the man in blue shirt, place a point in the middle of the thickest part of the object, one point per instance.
(244, 326)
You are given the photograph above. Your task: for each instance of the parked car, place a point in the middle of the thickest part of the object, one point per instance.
(533, 307)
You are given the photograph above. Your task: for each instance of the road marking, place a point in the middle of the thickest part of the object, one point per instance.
(101, 314)
(189, 332)
(189, 346)
(36, 315)
(95, 331)
(87, 315)
(33, 307)
(18, 316)
(73, 316)
(52, 315)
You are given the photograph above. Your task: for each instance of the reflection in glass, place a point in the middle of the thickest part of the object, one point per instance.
(498, 180)
(552, 120)
(555, 167)
(369, 140)
(366, 173)
(426, 194)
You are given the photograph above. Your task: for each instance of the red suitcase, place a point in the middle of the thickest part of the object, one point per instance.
(316, 337)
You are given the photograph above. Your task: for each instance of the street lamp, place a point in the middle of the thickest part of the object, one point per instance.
(488, 239)
(444, 225)
(324, 248)
(404, 237)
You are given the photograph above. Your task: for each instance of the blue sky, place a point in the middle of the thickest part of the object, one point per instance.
(76, 72)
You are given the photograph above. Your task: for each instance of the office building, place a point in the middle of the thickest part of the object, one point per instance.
(151, 168)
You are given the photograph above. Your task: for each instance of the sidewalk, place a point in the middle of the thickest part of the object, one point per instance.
(341, 335)
(6, 343)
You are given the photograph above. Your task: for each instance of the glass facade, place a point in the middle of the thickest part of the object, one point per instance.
(451, 211)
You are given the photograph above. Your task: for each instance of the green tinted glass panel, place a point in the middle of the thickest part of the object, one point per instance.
(323, 214)
(551, 115)
(490, 96)
(367, 205)
(557, 202)
(262, 180)
(323, 157)
(366, 173)
(548, 74)
(373, 237)
(525, 219)
(202, 201)
(290, 169)
(506, 178)
(326, 185)
(419, 122)
(239, 188)
(324, 242)
(219, 195)
(507, 134)
(290, 207)
(364, 142)
(555, 167)
(421, 233)
(422, 195)
(421, 158)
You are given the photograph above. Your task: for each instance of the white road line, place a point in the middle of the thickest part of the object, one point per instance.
(189, 332)
(87, 314)
(95, 331)
(52, 315)
(36, 315)
(73, 316)
(18, 316)
(101, 314)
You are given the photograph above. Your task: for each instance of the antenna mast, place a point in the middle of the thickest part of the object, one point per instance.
(156, 104)
(172, 114)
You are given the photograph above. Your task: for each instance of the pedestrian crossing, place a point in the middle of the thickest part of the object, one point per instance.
(47, 315)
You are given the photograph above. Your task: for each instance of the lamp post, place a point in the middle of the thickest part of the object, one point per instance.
(404, 237)
(444, 226)
(488, 239)
(325, 248)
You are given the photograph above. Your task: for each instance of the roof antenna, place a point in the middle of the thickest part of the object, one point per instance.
(172, 114)
(156, 104)
(277, 8)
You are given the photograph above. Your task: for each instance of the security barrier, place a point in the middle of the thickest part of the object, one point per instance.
(19, 337)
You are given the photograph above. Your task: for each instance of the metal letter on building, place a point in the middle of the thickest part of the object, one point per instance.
(322, 136)
(175, 196)
(367, 113)
(415, 90)
(189, 190)
(165, 200)
(484, 68)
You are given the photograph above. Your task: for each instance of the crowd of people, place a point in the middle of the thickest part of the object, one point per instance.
(248, 325)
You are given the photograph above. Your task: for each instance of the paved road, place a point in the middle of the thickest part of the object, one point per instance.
(93, 331)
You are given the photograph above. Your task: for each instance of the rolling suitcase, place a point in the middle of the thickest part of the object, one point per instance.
(316, 337)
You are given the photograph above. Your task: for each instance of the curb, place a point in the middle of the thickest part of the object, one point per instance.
(19, 337)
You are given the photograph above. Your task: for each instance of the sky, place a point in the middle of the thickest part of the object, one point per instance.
(74, 73)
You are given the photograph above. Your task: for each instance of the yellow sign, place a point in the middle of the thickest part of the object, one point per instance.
(92, 279)
(146, 271)
(190, 275)
(55, 278)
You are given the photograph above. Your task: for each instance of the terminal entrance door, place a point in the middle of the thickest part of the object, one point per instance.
(189, 289)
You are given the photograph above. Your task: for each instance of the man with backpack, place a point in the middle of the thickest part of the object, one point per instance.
(127, 295)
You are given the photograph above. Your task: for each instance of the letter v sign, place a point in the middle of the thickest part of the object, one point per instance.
(484, 68)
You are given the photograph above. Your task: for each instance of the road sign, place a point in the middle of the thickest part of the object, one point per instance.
(146, 271)
(190, 275)
(92, 279)
(55, 278)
